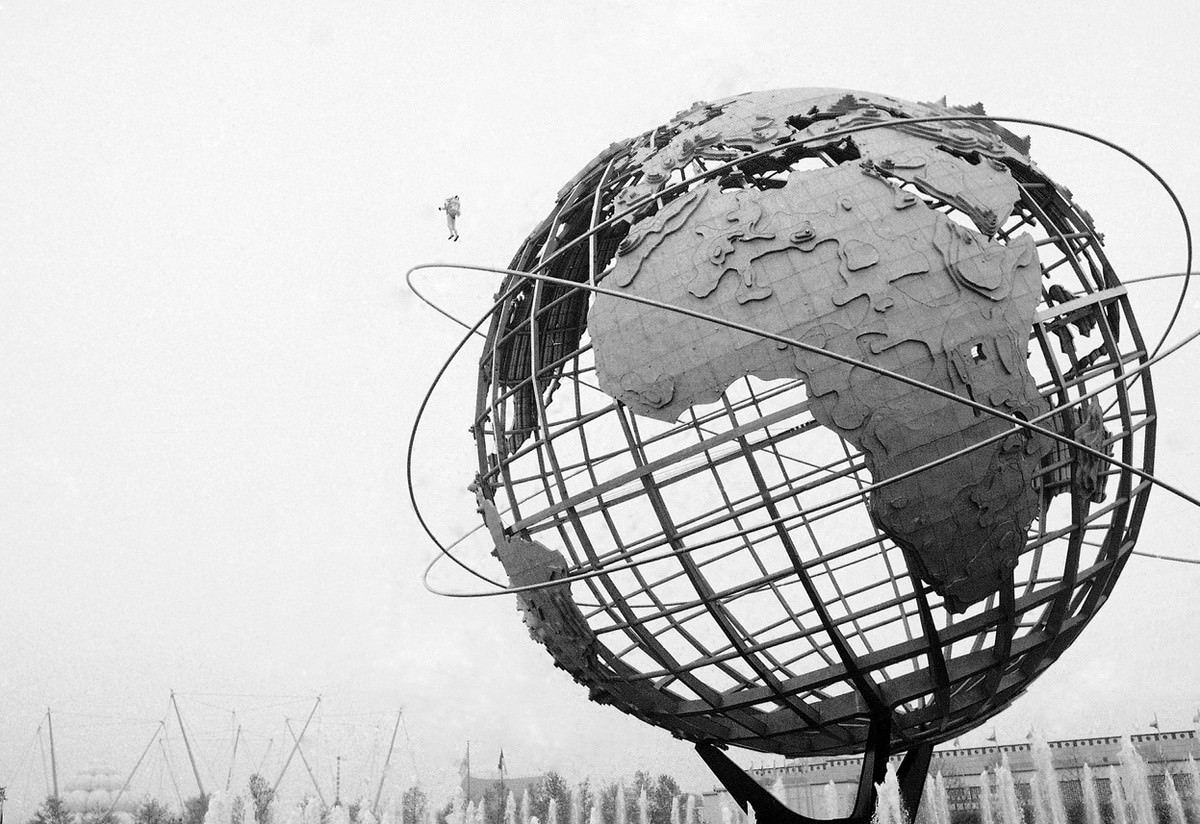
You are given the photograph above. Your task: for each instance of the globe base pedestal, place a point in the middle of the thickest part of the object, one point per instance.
(769, 810)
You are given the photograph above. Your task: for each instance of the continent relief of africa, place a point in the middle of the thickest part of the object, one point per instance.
(843, 260)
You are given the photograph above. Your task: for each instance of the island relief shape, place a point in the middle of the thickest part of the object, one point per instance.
(846, 260)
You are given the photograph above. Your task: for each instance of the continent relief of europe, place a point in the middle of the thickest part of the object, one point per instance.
(846, 260)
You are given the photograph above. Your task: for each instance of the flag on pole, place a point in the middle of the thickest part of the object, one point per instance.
(500, 766)
(992, 737)
(464, 766)
(1154, 724)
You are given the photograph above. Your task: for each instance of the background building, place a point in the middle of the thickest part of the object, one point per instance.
(825, 787)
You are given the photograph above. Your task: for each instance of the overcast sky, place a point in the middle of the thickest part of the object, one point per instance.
(209, 364)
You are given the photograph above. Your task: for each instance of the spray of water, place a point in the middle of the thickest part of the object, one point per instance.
(1091, 799)
(1174, 802)
(1006, 792)
(1136, 784)
(888, 809)
(643, 807)
(986, 815)
(1194, 772)
(1037, 801)
(1051, 809)
(830, 800)
(1119, 802)
(219, 809)
(940, 800)
(619, 813)
(552, 811)
(690, 818)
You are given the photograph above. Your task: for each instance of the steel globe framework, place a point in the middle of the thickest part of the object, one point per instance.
(720, 570)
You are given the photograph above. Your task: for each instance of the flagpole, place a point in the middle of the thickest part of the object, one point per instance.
(503, 797)
(386, 762)
(53, 756)
(468, 773)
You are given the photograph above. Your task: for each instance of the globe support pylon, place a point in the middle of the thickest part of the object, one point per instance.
(747, 792)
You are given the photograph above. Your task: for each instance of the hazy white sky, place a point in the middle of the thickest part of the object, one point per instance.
(209, 365)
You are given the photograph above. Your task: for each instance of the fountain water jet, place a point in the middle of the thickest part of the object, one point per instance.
(1136, 784)
(219, 811)
(552, 811)
(690, 818)
(1194, 773)
(936, 798)
(986, 816)
(525, 806)
(1120, 805)
(1006, 792)
(1037, 802)
(619, 812)
(510, 809)
(1051, 809)
(643, 807)
(575, 813)
(675, 810)
(888, 809)
(829, 800)
(1091, 799)
(1174, 802)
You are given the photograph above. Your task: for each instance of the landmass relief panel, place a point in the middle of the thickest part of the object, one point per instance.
(846, 261)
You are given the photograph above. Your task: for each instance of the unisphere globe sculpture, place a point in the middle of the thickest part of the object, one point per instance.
(770, 484)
